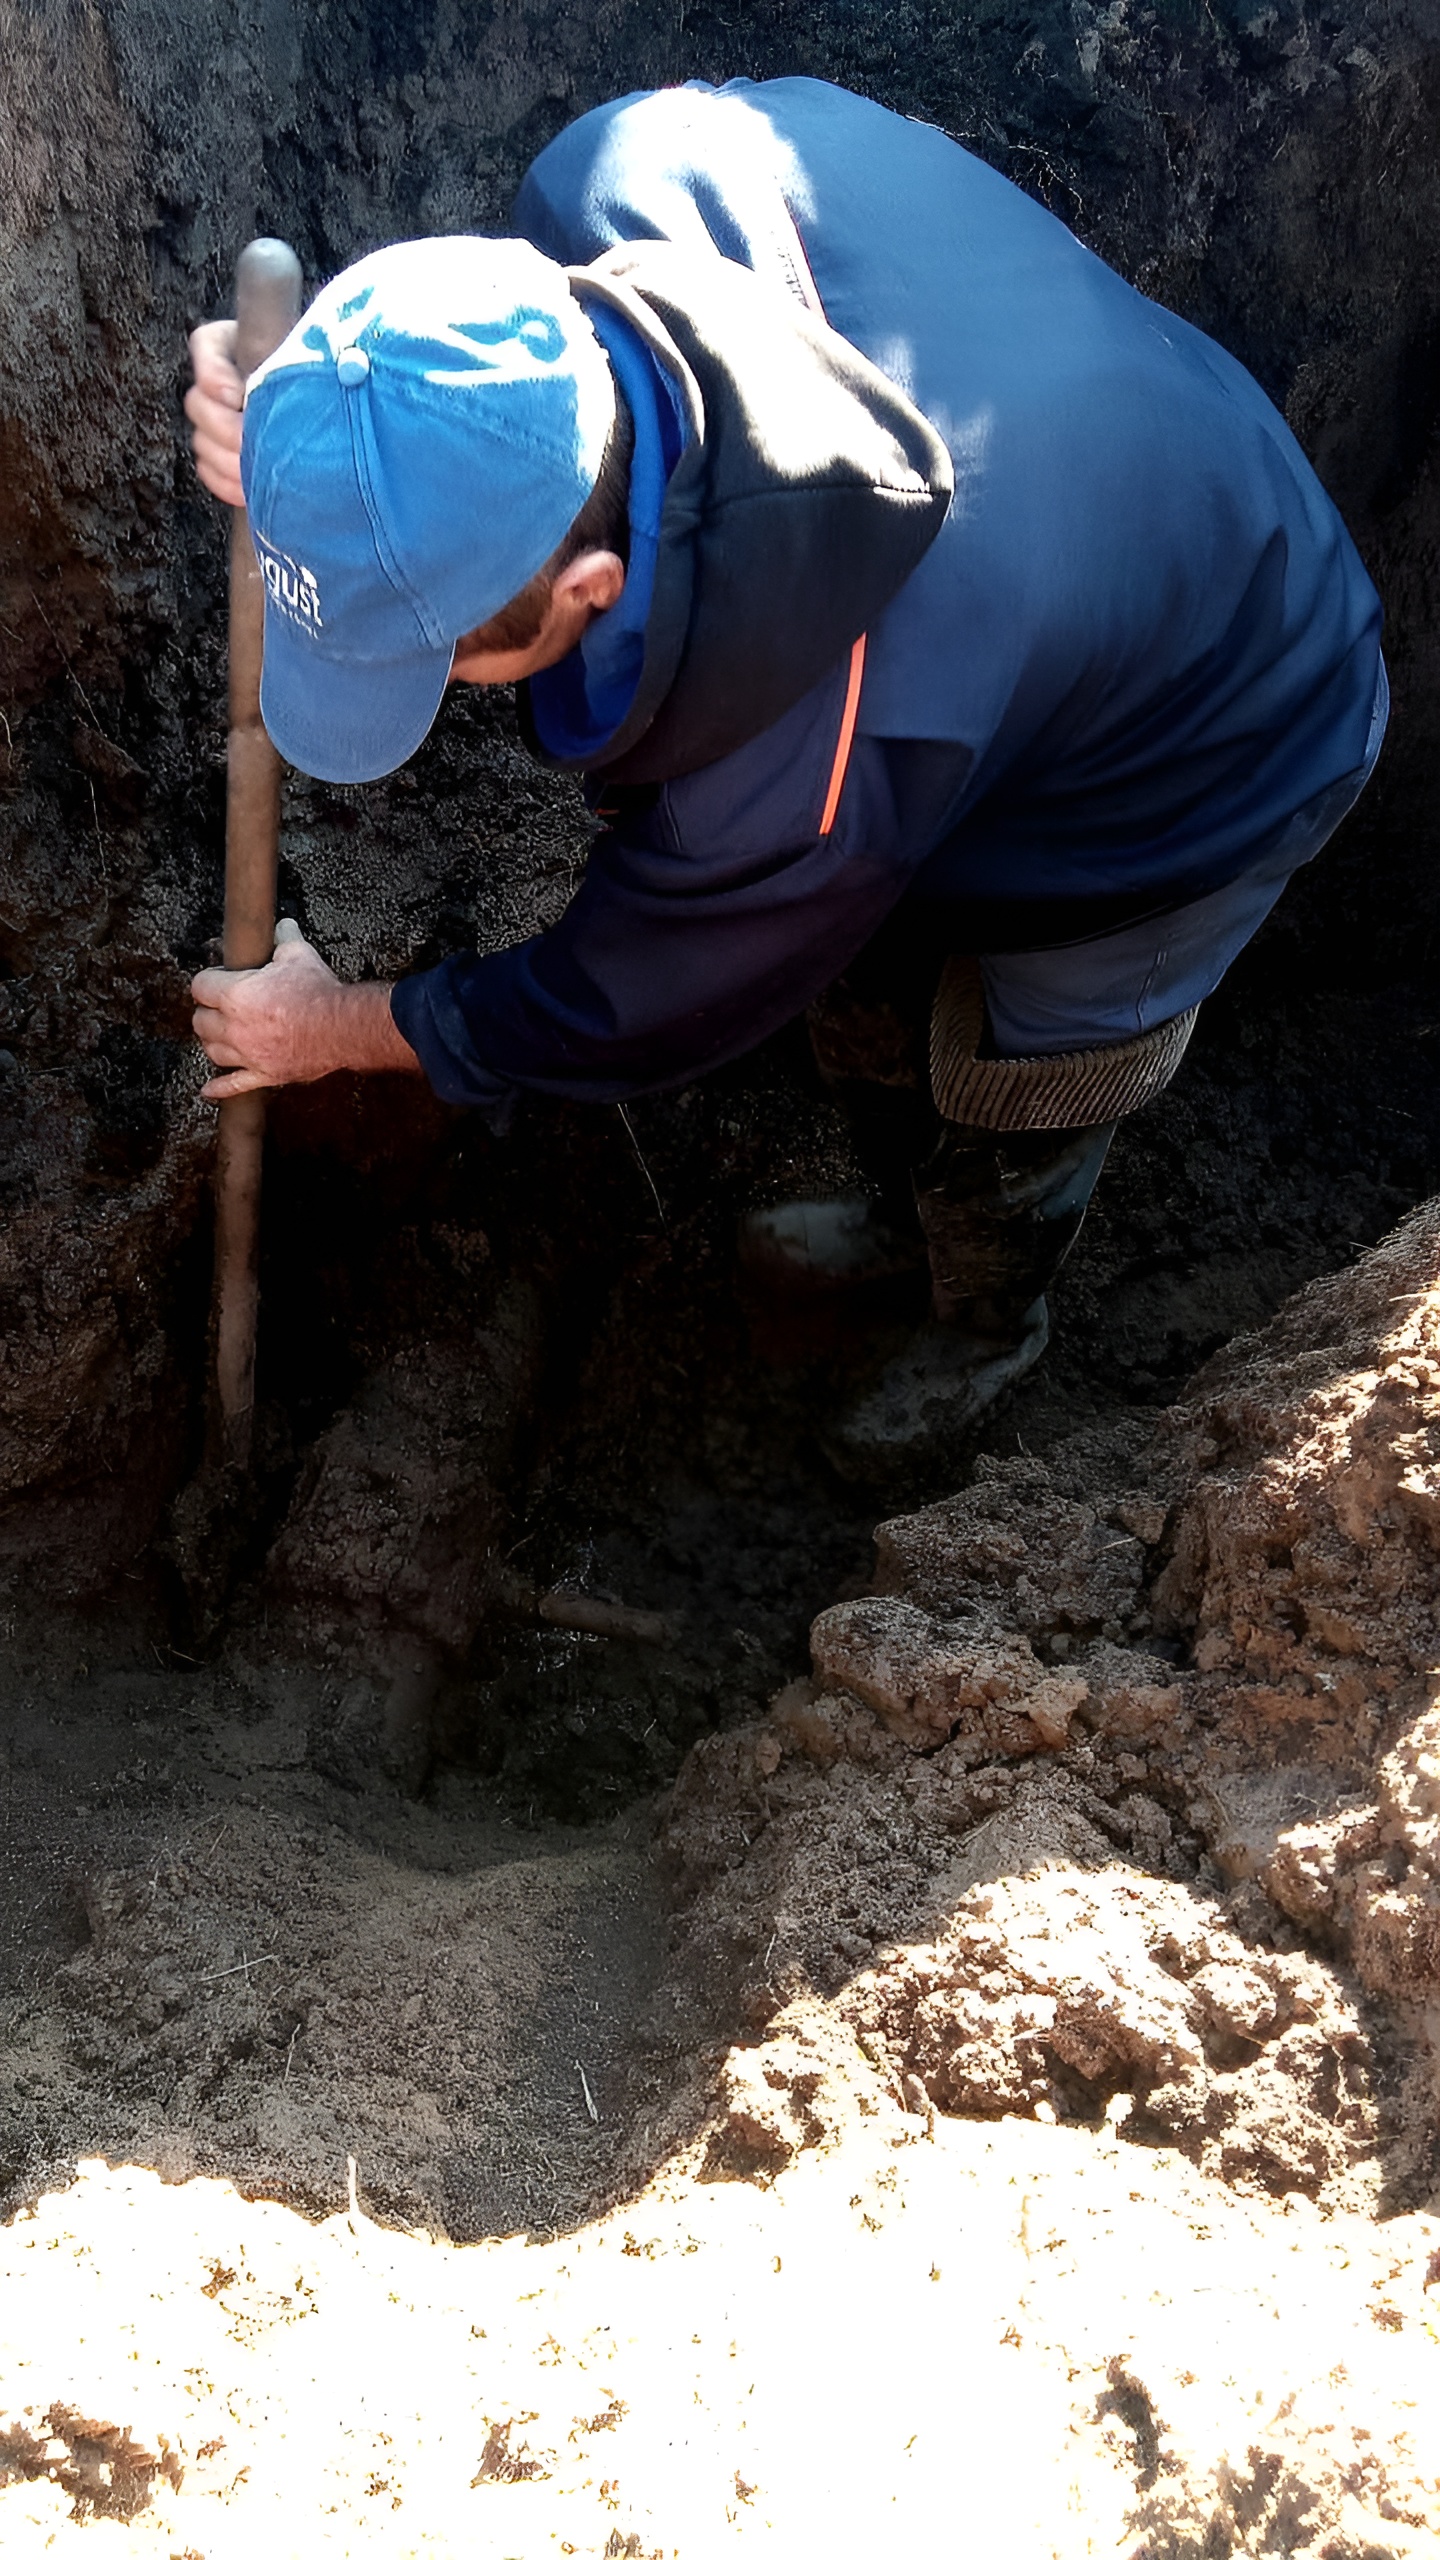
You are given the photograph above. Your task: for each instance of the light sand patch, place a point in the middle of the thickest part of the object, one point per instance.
(1014, 2338)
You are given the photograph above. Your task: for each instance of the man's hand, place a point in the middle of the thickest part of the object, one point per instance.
(292, 1021)
(213, 405)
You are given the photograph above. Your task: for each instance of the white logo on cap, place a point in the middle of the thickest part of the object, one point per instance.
(292, 588)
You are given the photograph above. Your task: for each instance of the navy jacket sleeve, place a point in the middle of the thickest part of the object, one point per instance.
(703, 922)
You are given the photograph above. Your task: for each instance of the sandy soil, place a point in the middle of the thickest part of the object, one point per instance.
(992, 2096)
(1015, 2338)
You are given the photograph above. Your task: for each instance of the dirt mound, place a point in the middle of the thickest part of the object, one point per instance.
(275, 1987)
(1044, 1866)
(1307, 1555)
(1307, 1562)
(1005, 1941)
(1059, 1991)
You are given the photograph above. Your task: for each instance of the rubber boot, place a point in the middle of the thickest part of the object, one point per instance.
(999, 1212)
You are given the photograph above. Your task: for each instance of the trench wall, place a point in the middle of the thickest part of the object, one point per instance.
(1269, 170)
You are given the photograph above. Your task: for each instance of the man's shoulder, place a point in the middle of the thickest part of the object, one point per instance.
(693, 162)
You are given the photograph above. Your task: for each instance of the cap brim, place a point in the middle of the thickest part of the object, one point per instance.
(349, 723)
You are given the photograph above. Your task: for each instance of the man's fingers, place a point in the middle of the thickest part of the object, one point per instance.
(276, 1024)
(216, 452)
(212, 429)
(212, 357)
(215, 437)
(222, 484)
(245, 1080)
(223, 1052)
(219, 472)
(291, 948)
(213, 405)
(212, 986)
(216, 987)
(215, 433)
(206, 404)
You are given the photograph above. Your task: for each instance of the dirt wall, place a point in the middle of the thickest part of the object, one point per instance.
(1271, 176)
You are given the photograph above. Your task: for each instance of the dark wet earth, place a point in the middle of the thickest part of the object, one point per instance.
(671, 1464)
(686, 1474)
(670, 1459)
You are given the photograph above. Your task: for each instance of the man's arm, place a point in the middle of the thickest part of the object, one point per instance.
(292, 1022)
(701, 925)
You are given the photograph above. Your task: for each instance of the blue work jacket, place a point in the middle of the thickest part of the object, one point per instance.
(1141, 641)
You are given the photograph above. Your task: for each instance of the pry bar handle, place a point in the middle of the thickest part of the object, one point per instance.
(267, 305)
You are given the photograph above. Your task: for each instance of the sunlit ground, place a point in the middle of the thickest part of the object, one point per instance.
(1019, 2339)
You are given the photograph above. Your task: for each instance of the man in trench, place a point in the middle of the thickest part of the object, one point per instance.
(955, 646)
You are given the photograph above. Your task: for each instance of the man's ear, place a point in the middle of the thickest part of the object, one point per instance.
(595, 579)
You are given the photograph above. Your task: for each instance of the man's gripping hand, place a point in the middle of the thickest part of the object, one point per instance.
(292, 1021)
(213, 405)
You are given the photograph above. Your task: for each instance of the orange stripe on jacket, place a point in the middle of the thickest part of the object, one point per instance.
(846, 739)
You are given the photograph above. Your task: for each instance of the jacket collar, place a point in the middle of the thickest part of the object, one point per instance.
(808, 489)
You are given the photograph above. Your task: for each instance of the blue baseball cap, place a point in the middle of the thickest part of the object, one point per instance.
(413, 453)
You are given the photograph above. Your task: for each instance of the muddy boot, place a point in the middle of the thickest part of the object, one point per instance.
(1009, 1155)
(1001, 1198)
(1000, 1211)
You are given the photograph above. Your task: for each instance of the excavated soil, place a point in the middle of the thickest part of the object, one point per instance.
(1051, 1973)
(566, 1986)
(1116, 1797)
